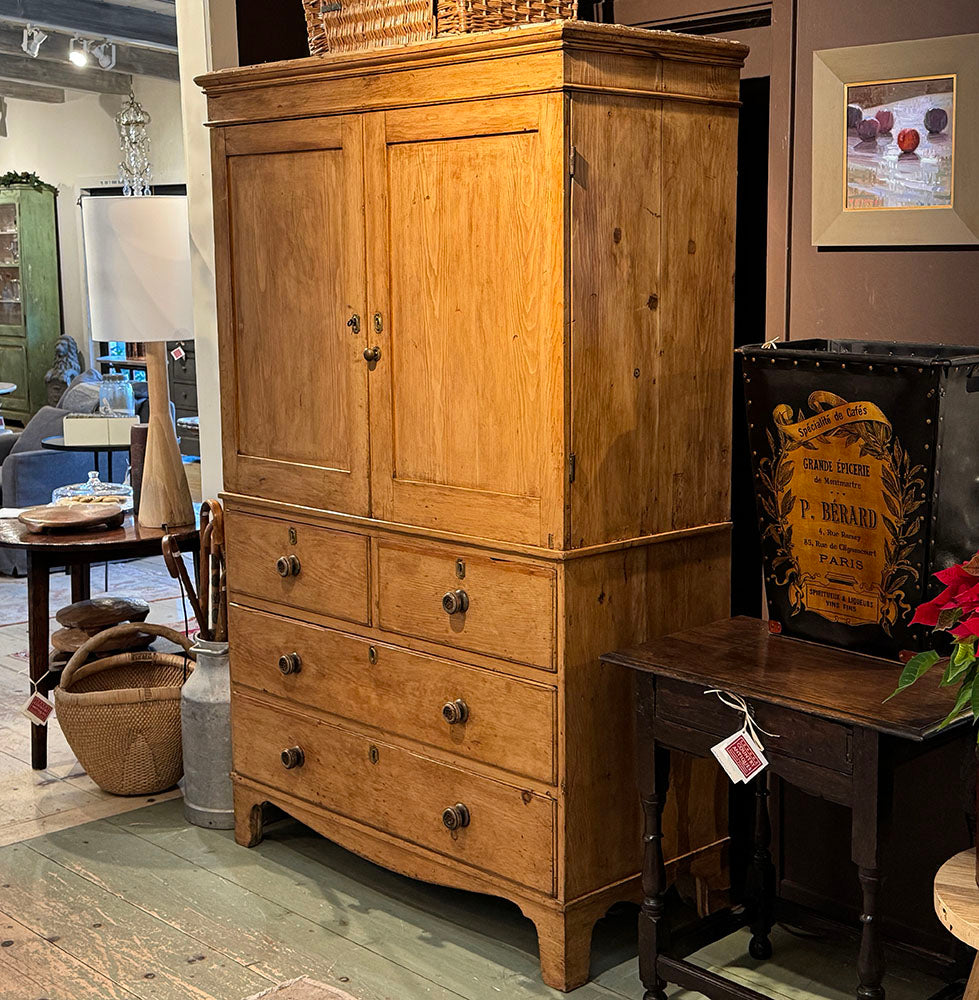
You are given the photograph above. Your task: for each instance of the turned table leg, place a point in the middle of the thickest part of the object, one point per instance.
(865, 853)
(38, 596)
(760, 887)
(654, 778)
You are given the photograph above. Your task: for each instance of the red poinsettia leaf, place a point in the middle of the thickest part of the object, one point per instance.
(928, 614)
(966, 628)
(956, 574)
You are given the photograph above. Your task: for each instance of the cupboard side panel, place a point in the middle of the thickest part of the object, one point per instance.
(614, 601)
(615, 290)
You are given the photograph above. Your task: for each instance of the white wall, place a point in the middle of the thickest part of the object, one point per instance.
(75, 145)
(208, 40)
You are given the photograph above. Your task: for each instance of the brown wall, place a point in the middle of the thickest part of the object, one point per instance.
(896, 294)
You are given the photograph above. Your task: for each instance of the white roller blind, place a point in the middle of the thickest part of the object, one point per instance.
(137, 264)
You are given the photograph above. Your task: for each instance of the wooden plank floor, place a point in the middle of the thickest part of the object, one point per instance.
(142, 905)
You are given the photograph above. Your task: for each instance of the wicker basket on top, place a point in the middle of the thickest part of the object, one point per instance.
(353, 25)
(459, 17)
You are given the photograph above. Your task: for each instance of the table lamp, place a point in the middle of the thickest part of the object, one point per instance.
(137, 262)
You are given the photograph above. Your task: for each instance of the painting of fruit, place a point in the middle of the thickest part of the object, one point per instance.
(899, 143)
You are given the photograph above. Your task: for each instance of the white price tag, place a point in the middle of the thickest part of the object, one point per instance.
(38, 709)
(741, 756)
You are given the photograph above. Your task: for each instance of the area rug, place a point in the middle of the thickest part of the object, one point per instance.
(146, 578)
(302, 989)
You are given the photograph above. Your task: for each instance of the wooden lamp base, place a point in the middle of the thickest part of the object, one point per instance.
(164, 496)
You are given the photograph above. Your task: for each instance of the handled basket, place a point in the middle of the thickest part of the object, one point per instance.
(456, 17)
(121, 714)
(352, 25)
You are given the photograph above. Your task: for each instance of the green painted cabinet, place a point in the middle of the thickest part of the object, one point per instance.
(30, 296)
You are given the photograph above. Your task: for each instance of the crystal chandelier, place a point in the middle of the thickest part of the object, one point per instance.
(134, 170)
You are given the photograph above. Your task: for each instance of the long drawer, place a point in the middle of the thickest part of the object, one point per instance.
(477, 602)
(480, 714)
(488, 824)
(309, 568)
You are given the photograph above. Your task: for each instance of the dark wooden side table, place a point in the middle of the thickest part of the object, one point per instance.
(827, 707)
(76, 551)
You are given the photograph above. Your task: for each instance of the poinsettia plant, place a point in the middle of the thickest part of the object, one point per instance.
(955, 611)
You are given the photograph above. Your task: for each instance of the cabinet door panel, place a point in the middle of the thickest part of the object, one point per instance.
(296, 407)
(465, 244)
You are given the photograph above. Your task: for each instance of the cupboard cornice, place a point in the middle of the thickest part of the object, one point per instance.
(558, 56)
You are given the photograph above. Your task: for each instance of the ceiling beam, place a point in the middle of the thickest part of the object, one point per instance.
(31, 92)
(97, 17)
(129, 59)
(29, 70)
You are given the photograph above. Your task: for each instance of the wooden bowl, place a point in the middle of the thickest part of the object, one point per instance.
(76, 518)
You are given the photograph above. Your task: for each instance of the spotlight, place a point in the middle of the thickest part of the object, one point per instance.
(105, 54)
(78, 49)
(33, 40)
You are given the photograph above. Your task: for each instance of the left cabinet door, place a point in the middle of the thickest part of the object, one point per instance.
(289, 211)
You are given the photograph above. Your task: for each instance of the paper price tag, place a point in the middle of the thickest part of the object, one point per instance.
(177, 353)
(740, 756)
(38, 709)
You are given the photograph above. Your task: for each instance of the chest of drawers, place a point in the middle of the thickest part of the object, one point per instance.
(475, 310)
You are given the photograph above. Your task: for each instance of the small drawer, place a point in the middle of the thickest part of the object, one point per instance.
(184, 396)
(488, 824)
(305, 567)
(484, 604)
(478, 714)
(803, 737)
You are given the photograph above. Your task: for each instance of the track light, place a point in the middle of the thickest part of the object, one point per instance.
(105, 54)
(33, 40)
(78, 49)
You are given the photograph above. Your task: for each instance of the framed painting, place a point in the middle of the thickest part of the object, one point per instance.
(895, 161)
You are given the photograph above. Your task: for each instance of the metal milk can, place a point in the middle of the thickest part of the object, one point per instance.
(205, 715)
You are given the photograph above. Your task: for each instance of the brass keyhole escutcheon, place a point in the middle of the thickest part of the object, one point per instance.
(372, 655)
(354, 324)
(461, 568)
(373, 755)
(378, 323)
(293, 537)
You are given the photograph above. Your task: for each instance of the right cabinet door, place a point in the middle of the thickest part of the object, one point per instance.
(465, 273)
(290, 256)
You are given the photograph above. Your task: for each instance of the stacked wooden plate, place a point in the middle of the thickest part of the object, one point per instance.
(84, 619)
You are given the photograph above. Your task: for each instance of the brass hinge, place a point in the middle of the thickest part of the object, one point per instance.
(571, 467)
(572, 161)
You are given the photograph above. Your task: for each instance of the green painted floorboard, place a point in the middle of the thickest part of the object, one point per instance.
(145, 906)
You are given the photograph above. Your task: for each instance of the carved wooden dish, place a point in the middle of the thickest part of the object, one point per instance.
(76, 518)
(102, 612)
(70, 640)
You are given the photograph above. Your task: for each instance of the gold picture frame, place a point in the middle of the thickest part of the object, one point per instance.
(891, 181)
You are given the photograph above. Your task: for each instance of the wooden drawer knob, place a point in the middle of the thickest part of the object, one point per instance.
(292, 757)
(455, 817)
(287, 566)
(290, 663)
(455, 602)
(455, 712)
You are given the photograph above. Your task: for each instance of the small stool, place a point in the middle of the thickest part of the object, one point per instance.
(957, 906)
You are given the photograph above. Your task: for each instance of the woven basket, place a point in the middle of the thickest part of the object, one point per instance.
(352, 25)
(121, 714)
(458, 17)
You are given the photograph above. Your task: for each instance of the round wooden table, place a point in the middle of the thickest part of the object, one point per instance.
(957, 906)
(75, 550)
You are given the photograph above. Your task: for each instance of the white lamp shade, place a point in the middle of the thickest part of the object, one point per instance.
(137, 263)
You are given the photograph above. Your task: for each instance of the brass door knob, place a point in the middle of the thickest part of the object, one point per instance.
(372, 355)
(455, 602)
(292, 757)
(290, 663)
(455, 817)
(455, 712)
(287, 566)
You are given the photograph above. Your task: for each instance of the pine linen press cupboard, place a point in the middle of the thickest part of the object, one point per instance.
(475, 302)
